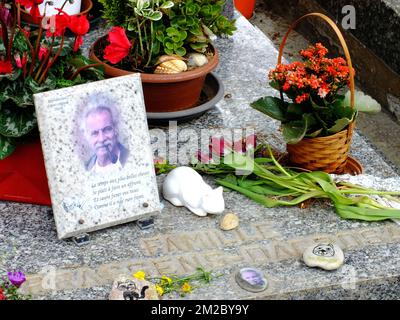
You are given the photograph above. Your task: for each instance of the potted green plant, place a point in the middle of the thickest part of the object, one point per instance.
(168, 42)
(33, 62)
(318, 116)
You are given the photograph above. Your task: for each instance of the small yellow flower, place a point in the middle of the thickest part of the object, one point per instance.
(186, 287)
(166, 280)
(160, 290)
(140, 275)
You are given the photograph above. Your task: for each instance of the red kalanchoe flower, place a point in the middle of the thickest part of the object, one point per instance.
(79, 25)
(119, 46)
(301, 98)
(323, 90)
(5, 67)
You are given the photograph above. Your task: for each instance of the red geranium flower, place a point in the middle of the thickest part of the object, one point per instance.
(119, 46)
(5, 67)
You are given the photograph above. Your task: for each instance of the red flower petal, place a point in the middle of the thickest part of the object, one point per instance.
(5, 67)
(79, 25)
(78, 43)
(119, 46)
(118, 36)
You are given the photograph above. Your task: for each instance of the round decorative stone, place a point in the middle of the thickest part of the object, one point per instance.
(325, 256)
(251, 279)
(229, 221)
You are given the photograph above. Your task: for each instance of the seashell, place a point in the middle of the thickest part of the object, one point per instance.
(171, 66)
(229, 221)
(196, 60)
(165, 58)
(325, 256)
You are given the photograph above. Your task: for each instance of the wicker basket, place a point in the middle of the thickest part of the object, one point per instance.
(329, 153)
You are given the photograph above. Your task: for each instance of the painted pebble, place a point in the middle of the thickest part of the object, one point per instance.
(324, 256)
(229, 221)
(251, 279)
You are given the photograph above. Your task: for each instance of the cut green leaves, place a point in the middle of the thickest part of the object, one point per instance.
(270, 184)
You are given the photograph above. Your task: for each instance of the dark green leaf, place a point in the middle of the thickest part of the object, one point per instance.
(295, 131)
(17, 122)
(271, 106)
(7, 146)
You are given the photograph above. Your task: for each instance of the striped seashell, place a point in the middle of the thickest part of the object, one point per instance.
(171, 66)
(165, 58)
(196, 60)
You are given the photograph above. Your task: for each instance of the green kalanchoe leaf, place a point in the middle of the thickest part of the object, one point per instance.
(295, 131)
(340, 125)
(271, 106)
(314, 134)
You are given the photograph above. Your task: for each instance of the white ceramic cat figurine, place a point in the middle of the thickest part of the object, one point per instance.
(185, 187)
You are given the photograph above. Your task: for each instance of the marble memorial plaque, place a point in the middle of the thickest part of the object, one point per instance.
(97, 153)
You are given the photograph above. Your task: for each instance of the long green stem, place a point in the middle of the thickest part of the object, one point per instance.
(151, 44)
(140, 38)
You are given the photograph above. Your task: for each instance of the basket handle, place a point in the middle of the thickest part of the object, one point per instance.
(342, 42)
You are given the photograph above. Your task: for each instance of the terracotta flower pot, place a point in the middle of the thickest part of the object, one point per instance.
(166, 92)
(23, 176)
(246, 7)
(25, 16)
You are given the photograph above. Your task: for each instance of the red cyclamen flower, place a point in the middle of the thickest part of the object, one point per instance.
(33, 4)
(43, 51)
(119, 46)
(58, 24)
(5, 67)
(2, 295)
(21, 62)
(79, 25)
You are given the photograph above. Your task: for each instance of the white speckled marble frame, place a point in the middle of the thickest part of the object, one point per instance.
(83, 200)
